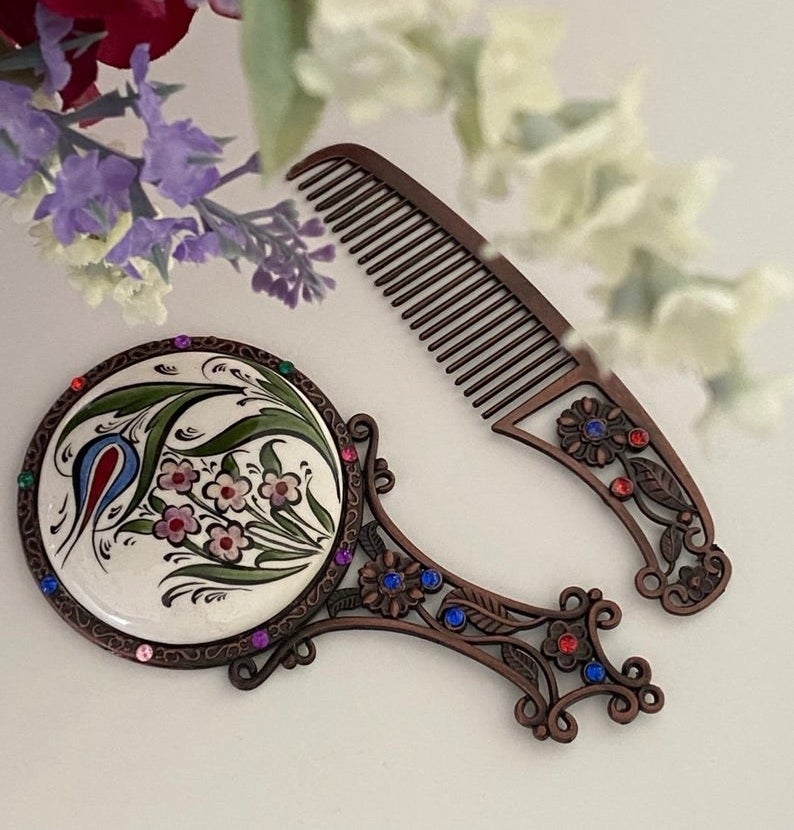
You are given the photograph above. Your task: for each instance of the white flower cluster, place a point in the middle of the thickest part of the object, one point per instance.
(141, 300)
(591, 188)
(371, 57)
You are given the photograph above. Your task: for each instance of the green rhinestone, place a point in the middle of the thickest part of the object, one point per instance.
(25, 480)
(286, 367)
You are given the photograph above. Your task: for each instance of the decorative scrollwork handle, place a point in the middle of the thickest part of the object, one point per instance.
(399, 589)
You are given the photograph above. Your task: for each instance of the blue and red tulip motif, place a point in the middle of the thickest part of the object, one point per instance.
(103, 469)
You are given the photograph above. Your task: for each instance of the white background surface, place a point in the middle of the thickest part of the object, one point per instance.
(386, 732)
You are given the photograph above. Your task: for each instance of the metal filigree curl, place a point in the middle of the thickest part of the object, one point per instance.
(402, 590)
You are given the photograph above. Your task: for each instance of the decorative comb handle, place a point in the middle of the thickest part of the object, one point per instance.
(400, 589)
(613, 445)
(501, 341)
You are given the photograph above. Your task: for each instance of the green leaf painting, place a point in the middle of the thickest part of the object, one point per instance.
(131, 399)
(268, 422)
(320, 513)
(268, 460)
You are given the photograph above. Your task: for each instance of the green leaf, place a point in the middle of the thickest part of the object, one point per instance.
(269, 527)
(293, 529)
(284, 391)
(156, 503)
(280, 555)
(157, 433)
(267, 422)
(320, 513)
(109, 105)
(281, 389)
(27, 57)
(229, 465)
(268, 460)
(237, 575)
(143, 526)
(160, 259)
(131, 399)
(284, 114)
(140, 204)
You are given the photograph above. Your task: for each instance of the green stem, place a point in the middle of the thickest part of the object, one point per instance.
(84, 141)
(320, 531)
(275, 543)
(254, 532)
(197, 501)
(194, 548)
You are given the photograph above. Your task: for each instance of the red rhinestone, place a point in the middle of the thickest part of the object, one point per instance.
(78, 384)
(639, 438)
(349, 453)
(567, 643)
(622, 487)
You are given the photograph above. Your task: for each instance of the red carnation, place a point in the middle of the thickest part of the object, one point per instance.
(160, 23)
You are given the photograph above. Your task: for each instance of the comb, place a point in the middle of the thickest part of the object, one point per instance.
(502, 343)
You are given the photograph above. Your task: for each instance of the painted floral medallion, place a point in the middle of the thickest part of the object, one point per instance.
(190, 496)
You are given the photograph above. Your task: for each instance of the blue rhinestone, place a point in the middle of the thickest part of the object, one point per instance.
(454, 618)
(595, 428)
(392, 581)
(431, 580)
(595, 673)
(48, 585)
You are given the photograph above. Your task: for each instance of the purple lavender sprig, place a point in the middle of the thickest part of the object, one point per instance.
(91, 186)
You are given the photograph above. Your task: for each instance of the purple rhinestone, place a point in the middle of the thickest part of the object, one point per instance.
(260, 639)
(182, 341)
(343, 556)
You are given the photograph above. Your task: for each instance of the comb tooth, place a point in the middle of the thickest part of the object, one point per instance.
(411, 244)
(331, 168)
(471, 337)
(494, 343)
(432, 280)
(387, 243)
(517, 393)
(417, 258)
(378, 217)
(315, 194)
(425, 269)
(490, 360)
(445, 321)
(511, 379)
(458, 280)
(475, 318)
(509, 364)
(342, 194)
(480, 348)
(359, 199)
(378, 234)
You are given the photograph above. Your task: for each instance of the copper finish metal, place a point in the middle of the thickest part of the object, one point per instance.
(375, 578)
(497, 632)
(682, 567)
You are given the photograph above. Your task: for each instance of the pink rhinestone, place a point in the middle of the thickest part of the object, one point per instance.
(349, 453)
(144, 653)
